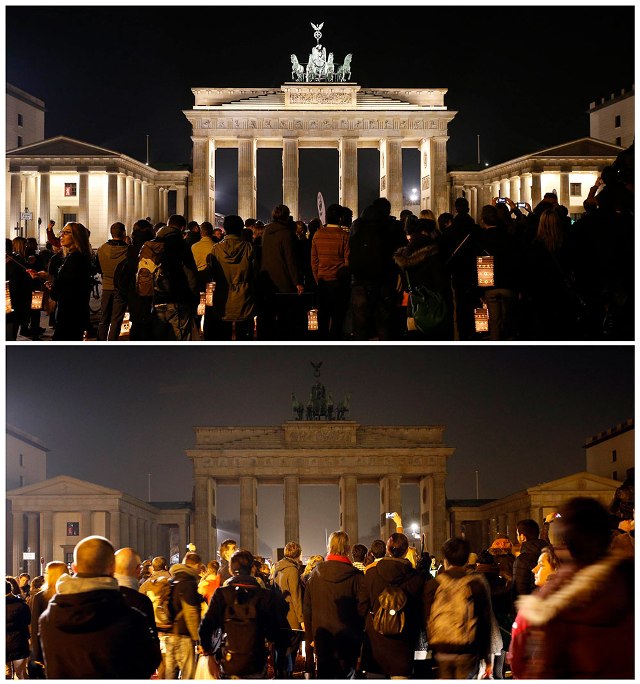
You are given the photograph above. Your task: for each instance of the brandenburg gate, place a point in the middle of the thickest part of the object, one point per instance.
(320, 108)
(321, 447)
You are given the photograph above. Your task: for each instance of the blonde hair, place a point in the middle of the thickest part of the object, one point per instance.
(54, 570)
(311, 564)
(80, 236)
(338, 543)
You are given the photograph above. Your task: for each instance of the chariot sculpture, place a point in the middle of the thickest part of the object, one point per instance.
(320, 66)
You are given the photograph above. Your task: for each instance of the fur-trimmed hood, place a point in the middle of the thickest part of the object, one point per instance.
(583, 591)
(407, 258)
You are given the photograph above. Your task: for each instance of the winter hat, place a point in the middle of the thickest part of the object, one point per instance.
(501, 542)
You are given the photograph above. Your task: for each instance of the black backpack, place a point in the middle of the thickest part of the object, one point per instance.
(243, 640)
(389, 619)
(367, 252)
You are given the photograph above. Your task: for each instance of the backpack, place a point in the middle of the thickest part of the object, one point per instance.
(428, 308)
(366, 252)
(389, 619)
(150, 275)
(243, 643)
(452, 620)
(160, 591)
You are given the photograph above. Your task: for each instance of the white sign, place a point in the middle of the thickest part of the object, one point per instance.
(321, 209)
(26, 216)
(29, 555)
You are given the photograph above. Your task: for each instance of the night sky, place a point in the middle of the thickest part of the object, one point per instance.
(520, 77)
(113, 414)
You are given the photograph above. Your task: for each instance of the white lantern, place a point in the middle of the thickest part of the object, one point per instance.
(482, 319)
(211, 288)
(485, 271)
(202, 304)
(36, 300)
(8, 297)
(312, 319)
(125, 328)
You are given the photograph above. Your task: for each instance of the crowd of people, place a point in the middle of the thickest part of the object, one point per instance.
(376, 278)
(556, 603)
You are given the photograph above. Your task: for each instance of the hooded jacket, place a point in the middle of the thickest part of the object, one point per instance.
(89, 632)
(279, 271)
(286, 574)
(186, 600)
(233, 268)
(18, 617)
(586, 616)
(523, 579)
(109, 256)
(392, 656)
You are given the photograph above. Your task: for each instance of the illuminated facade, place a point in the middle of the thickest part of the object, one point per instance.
(613, 120)
(611, 453)
(25, 118)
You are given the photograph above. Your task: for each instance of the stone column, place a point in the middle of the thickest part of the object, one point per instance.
(348, 160)
(83, 197)
(122, 198)
(44, 203)
(247, 178)
(144, 208)
(140, 537)
(525, 187)
(493, 527)
(291, 495)
(200, 180)
(155, 542)
(18, 542)
(290, 181)
(425, 174)
(33, 542)
(390, 502)
(439, 202)
(133, 531)
(486, 542)
(426, 515)
(536, 189)
(440, 516)
(512, 521)
(15, 207)
(203, 517)
(182, 537)
(502, 523)
(46, 536)
(124, 529)
(349, 507)
(137, 200)
(514, 189)
(504, 187)
(113, 523)
(211, 183)
(85, 524)
(536, 514)
(180, 203)
(112, 198)
(148, 544)
(129, 202)
(391, 173)
(565, 190)
(474, 208)
(248, 513)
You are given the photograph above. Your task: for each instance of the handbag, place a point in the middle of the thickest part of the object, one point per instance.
(428, 308)
(207, 668)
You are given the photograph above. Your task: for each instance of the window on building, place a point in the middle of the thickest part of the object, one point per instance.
(73, 529)
(20, 122)
(619, 141)
(21, 481)
(618, 121)
(575, 189)
(70, 189)
(19, 141)
(21, 460)
(614, 475)
(614, 455)
(68, 557)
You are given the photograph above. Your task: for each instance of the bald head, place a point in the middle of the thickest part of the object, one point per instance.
(127, 562)
(94, 557)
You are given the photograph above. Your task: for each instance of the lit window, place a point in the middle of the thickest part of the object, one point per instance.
(618, 121)
(20, 122)
(575, 189)
(70, 189)
(73, 529)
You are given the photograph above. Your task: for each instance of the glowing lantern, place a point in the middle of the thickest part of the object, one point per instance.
(8, 297)
(125, 328)
(485, 271)
(203, 302)
(312, 319)
(211, 288)
(36, 300)
(482, 319)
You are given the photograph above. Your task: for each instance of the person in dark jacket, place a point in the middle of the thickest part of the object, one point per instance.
(528, 533)
(109, 256)
(226, 550)
(391, 655)
(20, 285)
(330, 609)
(88, 631)
(186, 605)
(17, 619)
(72, 284)
(279, 276)
(249, 659)
(126, 573)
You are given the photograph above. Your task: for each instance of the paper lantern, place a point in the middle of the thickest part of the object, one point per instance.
(211, 288)
(125, 328)
(312, 319)
(482, 319)
(8, 297)
(485, 271)
(36, 300)
(203, 302)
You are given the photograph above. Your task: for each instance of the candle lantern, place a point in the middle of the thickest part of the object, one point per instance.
(125, 328)
(8, 297)
(211, 288)
(312, 319)
(482, 319)
(485, 271)
(202, 304)
(36, 300)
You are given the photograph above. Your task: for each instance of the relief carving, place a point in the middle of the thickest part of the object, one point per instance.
(284, 123)
(319, 435)
(327, 123)
(221, 123)
(383, 183)
(433, 123)
(298, 123)
(320, 98)
(313, 125)
(206, 123)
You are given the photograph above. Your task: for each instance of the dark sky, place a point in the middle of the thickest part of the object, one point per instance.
(520, 77)
(113, 414)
